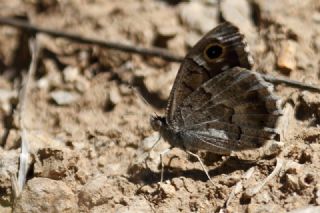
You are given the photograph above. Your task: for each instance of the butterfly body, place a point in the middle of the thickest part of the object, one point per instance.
(217, 104)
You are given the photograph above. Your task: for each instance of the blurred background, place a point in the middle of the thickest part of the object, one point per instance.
(88, 129)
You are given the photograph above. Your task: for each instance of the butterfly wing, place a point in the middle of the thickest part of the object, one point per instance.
(197, 69)
(234, 110)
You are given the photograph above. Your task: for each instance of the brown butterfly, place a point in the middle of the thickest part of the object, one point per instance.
(217, 104)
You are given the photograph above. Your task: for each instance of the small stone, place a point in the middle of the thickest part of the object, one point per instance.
(272, 148)
(53, 73)
(198, 16)
(84, 58)
(239, 13)
(125, 90)
(113, 98)
(286, 61)
(114, 95)
(43, 83)
(263, 197)
(166, 31)
(61, 97)
(292, 167)
(13, 139)
(163, 35)
(82, 84)
(70, 74)
(43, 194)
(55, 163)
(6, 99)
(103, 190)
(292, 182)
(147, 189)
(178, 183)
(167, 189)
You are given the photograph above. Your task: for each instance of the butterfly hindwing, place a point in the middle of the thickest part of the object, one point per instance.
(234, 110)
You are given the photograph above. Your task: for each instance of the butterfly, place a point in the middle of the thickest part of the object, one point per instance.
(217, 103)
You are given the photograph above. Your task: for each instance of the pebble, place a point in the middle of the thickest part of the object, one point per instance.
(164, 34)
(6, 98)
(61, 97)
(70, 74)
(292, 182)
(286, 61)
(167, 189)
(104, 190)
(82, 84)
(239, 13)
(13, 139)
(43, 83)
(198, 16)
(114, 96)
(292, 167)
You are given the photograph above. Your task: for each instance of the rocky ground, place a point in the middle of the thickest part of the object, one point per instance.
(88, 130)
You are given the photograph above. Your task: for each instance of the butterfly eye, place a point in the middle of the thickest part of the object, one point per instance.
(213, 51)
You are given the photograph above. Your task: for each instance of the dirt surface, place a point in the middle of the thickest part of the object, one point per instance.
(89, 131)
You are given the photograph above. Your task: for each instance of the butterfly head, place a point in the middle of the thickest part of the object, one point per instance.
(157, 122)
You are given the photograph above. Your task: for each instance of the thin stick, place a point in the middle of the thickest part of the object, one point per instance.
(291, 83)
(158, 52)
(250, 192)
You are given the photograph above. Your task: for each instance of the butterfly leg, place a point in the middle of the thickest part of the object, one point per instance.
(163, 153)
(202, 165)
(154, 145)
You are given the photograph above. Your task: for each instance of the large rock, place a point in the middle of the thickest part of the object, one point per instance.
(46, 195)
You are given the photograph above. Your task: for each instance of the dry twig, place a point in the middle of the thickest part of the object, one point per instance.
(250, 192)
(291, 83)
(157, 52)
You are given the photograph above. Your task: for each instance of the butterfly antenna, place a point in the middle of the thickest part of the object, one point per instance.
(138, 93)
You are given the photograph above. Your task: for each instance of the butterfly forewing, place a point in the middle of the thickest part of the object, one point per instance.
(196, 69)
